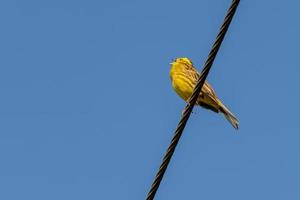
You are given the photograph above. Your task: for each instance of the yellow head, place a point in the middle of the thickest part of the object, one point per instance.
(184, 61)
(180, 65)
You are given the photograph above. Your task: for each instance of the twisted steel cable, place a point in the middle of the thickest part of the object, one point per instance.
(191, 102)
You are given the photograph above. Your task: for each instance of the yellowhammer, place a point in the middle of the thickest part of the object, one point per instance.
(184, 78)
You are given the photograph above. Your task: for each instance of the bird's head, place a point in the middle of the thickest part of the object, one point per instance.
(181, 65)
(182, 61)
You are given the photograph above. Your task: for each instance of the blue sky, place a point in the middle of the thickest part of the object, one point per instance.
(87, 110)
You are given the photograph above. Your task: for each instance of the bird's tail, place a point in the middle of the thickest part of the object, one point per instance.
(229, 116)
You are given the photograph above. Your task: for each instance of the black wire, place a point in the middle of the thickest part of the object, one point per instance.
(190, 105)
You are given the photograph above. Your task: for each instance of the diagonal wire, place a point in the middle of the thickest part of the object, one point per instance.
(190, 105)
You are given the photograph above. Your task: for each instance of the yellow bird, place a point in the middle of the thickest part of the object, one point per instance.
(184, 77)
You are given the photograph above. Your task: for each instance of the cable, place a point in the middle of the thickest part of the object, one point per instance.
(190, 105)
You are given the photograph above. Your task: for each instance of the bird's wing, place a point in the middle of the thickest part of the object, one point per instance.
(208, 96)
(206, 88)
(193, 74)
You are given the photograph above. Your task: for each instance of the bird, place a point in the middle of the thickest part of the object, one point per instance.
(184, 78)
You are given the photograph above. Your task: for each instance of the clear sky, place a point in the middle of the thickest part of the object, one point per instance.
(87, 110)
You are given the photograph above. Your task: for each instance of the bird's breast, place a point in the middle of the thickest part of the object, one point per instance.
(183, 85)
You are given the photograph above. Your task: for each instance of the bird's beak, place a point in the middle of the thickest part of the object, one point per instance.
(171, 63)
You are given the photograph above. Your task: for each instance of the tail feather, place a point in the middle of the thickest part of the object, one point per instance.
(229, 116)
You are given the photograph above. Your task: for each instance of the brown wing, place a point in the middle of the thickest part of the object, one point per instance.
(192, 73)
(207, 88)
(207, 98)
